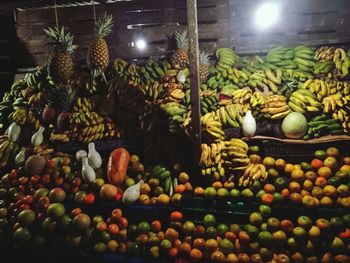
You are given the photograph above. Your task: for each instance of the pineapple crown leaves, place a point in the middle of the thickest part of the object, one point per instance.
(66, 97)
(103, 25)
(203, 58)
(60, 40)
(181, 40)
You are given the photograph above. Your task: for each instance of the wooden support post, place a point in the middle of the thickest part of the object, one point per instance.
(194, 77)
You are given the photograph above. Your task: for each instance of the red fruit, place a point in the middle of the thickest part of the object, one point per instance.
(50, 163)
(75, 212)
(89, 199)
(35, 179)
(156, 226)
(123, 223)
(316, 164)
(63, 121)
(28, 199)
(48, 114)
(118, 196)
(24, 207)
(113, 229)
(176, 216)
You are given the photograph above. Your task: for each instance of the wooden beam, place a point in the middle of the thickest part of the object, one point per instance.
(194, 78)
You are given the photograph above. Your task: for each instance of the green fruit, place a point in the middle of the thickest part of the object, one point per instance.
(294, 125)
(104, 236)
(26, 217)
(40, 193)
(209, 220)
(226, 246)
(57, 195)
(222, 229)
(235, 194)
(252, 231)
(299, 233)
(99, 248)
(143, 227)
(277, 197)
(304, 222)
(166, 245)
(65, 223)
(265, 211)
(211, 232)
(210, 193)
(247, 195)
(81, 222)
(222, 194)
(22, 236)
(49, 225)
(320, 154)
(265, 238)
(56, 210)
(256, 219)
(346, 220)
(273, 224)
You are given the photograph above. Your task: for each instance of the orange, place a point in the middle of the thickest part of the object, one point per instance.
(199, 243)
(317, 192)
(267, 199)
(161, 235)
(199, 191)
(304, 193)
(184, 177)
(326, 201)
(173, 252)
(346, 160)
(217, 257)
(142, 239)
(330, 162)
(285, 193)
(217, 185)
(144, 199)
(298, 175)
(180, 188)
(145, 189)
(321, 182)
(243, 257)
(288, 168)
(176, 216)
(211, 245)
(294, 187)
(307, 185)
(287, 226)
(185, 249)
(295, 198)
(196, 255)
(188, 187)
(325, 172)
(280, 164)
(345, 167)
(269, 162)
(330, 191)
(163, 199)
(117, 213)
(269, 188)
(156, 226)
(316, 164)
(112, 246)
(229, 185)
(177, 243)
(171, 234)
(333, 152)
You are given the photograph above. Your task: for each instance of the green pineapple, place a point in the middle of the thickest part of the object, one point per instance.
(98, 56)
(61, 64)
(179, 59)
(203, 67)
(65, 100)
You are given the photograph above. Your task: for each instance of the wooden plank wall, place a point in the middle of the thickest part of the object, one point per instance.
(312, 22)
(155, 24)
(7, 51)
(221, 23)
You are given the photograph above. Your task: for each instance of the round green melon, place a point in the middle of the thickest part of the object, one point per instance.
(294, 125)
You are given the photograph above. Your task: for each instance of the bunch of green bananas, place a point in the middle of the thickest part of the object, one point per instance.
(165, 178)
(254, 172)
(209, 102)
(341, 62)
(8, 150)
(281, 57)
(275, 107)
(37, 78)
(152, 91)
(325, 68)
(288, 87)
(120, 67)
(176, 113)
(304, 58)
(324, 53)
(133, 75)
(228, 76)
(155, 70)
(323, 125)
(270, 78)
(230, 115)
(303, 101)
(226, 58)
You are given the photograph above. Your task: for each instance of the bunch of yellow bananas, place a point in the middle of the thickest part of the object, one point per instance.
(230, 115)
(7, 150)
(324, 53)
(337, 105)
(303, 100)
(275, 107)
(254, 172)
(87, 125)
(212, 128)
(235, 155)
(211, 161)
(23, 116)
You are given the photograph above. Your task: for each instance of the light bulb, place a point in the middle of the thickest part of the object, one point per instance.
(141, 44)
(267, 14)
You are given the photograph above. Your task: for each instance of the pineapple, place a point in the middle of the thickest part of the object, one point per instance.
(66, 99)
(61, 65)
(98, 56)
(179, 59)
(203, 67)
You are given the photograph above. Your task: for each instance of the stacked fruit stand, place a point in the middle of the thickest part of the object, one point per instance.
(99, 159)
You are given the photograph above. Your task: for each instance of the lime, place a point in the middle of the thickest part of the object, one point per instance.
(235, 194)
(210, 193)
(99, 248)
(211, 232)
(222, 229)
(209, 220)
(265, 211)
(26, 217)
(143, 227)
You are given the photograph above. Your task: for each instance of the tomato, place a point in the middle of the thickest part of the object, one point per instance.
(76, 211)
(176, 216)
(76, 182)
(89, 199)
(24, 207)
(28, 199)
(123, 223)
(156, 226)
(35, 179)
(13, 174)
(45, 179)
(50, 163)
(113, 229)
